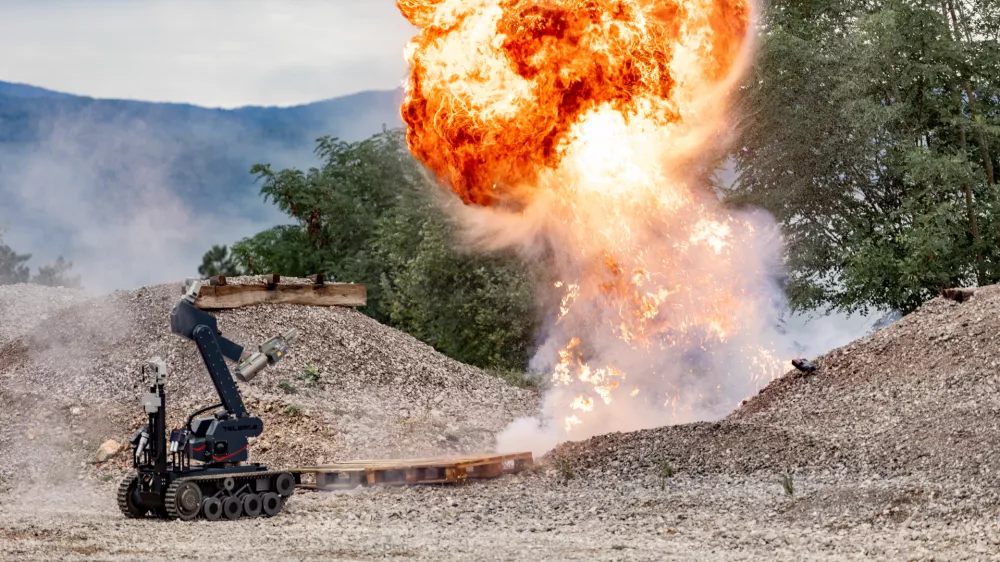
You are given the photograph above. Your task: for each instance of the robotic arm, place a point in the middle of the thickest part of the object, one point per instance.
(188, 321)
(269, 353)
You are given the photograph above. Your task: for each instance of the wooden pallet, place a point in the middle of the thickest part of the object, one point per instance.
(218, 295)
(349, 475)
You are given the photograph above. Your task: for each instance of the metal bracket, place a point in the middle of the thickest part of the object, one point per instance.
(151, 402)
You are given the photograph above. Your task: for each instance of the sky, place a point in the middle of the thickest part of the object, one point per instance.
(215, 53)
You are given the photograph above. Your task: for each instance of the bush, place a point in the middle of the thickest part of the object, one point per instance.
(310, 375)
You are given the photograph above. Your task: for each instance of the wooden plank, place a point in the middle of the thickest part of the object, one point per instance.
(318, 279)
(455, 474)
(494, 459)
(958, 295)
(493, 470)
(408, 472)
(235, 296)
(467, 461)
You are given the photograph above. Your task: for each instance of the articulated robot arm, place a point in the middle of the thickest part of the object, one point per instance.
(190, 322)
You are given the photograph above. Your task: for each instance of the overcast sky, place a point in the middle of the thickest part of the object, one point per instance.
(220, 53)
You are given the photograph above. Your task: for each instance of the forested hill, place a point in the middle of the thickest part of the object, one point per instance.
(84, 177)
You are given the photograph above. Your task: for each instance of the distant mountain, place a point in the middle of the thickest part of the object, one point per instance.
(12, 90)
(134, 192)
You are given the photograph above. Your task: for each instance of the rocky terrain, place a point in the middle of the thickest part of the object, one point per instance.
(888, 451)
(350, 386)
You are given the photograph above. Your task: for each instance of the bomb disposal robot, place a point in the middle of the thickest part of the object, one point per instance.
(203, 470)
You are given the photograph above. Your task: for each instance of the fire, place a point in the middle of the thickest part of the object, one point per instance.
(583, 403)
(502, 90)
(588, 120)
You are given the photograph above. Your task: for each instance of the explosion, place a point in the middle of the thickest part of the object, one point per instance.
(590, 128)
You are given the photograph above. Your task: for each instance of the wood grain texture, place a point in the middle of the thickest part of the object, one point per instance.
(225, 297)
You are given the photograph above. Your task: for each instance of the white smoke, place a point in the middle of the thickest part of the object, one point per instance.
(692, 363)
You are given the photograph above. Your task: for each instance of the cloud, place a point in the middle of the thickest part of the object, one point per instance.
(224, 53)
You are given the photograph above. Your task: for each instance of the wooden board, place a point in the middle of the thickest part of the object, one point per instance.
(958, 295)
(349, 475)
(235, 296)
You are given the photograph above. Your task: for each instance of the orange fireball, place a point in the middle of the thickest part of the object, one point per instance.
(498, 86)
(574, 123)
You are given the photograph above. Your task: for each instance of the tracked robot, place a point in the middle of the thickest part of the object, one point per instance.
(202, 470)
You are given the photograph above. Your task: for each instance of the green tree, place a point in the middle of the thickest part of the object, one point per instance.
(57, 275)
(335, 207)
(217, 261)
(12, 268)
(479, 308)
(870, 138)
(284, 249)
(367, 214)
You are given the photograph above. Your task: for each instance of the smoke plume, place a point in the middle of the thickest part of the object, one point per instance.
(584, 134)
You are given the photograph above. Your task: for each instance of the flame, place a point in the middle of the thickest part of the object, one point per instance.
(501, 90)
(586, 119)
(583, 403)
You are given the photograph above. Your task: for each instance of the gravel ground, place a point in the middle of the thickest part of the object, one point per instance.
(536, 517)
(23, 307)
(890, 450)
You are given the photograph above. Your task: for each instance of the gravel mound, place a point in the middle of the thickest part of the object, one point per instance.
(887, 452)
(23, 306)
(350, 388)
(920, 397)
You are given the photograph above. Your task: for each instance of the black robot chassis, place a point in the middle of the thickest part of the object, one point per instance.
(202, 469)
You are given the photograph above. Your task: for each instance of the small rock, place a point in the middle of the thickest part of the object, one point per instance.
(109, 449)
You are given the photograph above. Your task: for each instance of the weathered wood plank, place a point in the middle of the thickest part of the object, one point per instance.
(413, 471)
(235, 296)
(958, 295)
(486, 470)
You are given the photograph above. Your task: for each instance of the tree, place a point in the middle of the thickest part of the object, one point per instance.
(217, 261)
(479, 308)
(336, 208)
(284, 249)
(57, 275)
(870, 136)
(367, 214)
(12, 268)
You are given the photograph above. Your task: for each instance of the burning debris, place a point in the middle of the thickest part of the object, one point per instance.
(587, 129)
(804, 365)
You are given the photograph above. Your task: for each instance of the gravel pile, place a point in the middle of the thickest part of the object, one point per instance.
(350, 387)
(22, 307)
(920, 397)
(888, 452)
